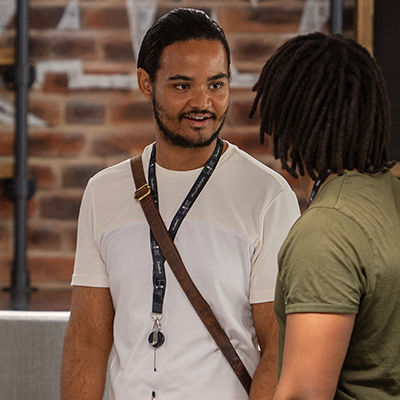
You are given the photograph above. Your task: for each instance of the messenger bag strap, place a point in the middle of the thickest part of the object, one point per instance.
(160, 232)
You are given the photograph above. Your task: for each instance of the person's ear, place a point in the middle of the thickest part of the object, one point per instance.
(144, 83)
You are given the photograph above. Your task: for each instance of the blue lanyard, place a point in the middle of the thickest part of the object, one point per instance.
(317, 184)
(159, 279)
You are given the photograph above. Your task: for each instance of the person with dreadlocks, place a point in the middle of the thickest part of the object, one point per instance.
(324, 105)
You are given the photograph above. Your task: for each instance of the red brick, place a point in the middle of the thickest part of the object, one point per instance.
(6, 144)
(238, 114)
(55, 144)
(39, 47)
(53, 297)
(249, 142)
(44, 176)
(45, 17)
(50, 268)
(60, 207)
(349, 13)
(6, 172)
(55, 83)
(105, 18)
(43, 238)
(252, 49)
(6, 207)
(8, 38)
(82, 48)
(70, 238)
(46, 110)
(5, 237)
(78, 175)
(5, 268)
(3, 43)
(161, 10)
(122, 113)
(112, 69)
(271, 19)
(121, 145)
(118, 51)
(85, 113)
(32, 206)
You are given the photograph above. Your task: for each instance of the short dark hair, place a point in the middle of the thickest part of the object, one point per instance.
(324, 99)
(178, 25)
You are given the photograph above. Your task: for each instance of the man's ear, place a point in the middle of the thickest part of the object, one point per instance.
(144, 83)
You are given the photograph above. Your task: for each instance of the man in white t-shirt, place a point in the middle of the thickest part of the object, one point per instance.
(228, 240)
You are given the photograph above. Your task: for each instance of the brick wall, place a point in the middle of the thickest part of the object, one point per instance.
(86, 113)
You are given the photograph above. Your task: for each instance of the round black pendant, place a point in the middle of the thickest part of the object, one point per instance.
(160, 339)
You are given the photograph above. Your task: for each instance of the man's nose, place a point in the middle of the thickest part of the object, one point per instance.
(200, 99)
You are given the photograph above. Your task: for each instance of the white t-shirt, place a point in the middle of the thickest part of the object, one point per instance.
(228, 242)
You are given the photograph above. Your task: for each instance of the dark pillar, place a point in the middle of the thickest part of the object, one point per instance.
(20, 288)
(336, 22)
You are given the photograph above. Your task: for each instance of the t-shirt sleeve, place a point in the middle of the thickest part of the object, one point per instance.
(89, 268)
(277, 219)
(324, 264)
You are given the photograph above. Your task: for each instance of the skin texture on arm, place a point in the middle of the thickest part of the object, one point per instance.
(87, 344)
(315, 348)
(265, 377)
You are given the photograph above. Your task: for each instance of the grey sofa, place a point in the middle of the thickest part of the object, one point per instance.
(30, 354)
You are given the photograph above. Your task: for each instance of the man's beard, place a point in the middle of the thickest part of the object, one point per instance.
(181, 141)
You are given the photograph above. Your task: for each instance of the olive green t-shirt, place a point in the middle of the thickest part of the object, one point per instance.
(343, 256)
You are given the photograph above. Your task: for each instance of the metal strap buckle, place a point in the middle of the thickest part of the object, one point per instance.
(142, 192)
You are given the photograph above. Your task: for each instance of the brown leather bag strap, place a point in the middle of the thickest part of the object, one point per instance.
(160, 232)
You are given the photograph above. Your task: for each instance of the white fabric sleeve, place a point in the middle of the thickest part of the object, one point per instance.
(277, 219)
(89, 268)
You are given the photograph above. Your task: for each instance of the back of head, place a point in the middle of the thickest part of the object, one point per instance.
(179, 25)
(324, 100)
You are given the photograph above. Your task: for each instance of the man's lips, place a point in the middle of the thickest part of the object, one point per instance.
(198, 120)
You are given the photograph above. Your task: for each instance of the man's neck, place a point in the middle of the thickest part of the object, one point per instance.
(183, 159)
(307, 184)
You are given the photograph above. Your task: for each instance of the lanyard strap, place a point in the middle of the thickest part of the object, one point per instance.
(159, 278)
(317, 184)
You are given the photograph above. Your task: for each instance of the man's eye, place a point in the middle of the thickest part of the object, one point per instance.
(182, 86)
(216, 85)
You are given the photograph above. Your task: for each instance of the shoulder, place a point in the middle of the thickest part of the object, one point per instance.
(319, 222)
(326, 263)
(111, 176)
(109, 196)
(119, 173)
(109, 188)
(323, 236)
(238, 163)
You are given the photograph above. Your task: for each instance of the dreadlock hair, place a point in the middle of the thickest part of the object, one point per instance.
(179, 25)
(324, 100)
